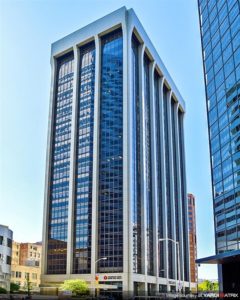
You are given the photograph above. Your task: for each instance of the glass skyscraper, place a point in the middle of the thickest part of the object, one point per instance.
(220, 32)
(115, 197)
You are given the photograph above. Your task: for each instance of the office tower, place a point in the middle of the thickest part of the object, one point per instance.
(115, 175)
(5, 256)
(192, 237)
(220, 32)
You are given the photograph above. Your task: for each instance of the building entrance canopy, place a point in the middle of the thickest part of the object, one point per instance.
(222, 258)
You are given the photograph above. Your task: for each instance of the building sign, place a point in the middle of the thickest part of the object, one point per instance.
(109, 277)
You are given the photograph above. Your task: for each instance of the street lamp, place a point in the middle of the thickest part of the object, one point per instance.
(102, 258)
(198, 265)
(178, 257)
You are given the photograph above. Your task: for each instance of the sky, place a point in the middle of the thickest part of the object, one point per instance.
(27, 29)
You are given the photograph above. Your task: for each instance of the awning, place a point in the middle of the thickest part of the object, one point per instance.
(222, 258)
(103, 286)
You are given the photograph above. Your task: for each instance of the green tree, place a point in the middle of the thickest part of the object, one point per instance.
(3, 291)
(14, 287)
(76, 286)
(28, 284)
(215, 286)
(208, 285)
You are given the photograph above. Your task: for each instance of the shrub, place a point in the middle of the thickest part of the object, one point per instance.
(3, 291)
(76, 286)
(208, 285)
(14, 287)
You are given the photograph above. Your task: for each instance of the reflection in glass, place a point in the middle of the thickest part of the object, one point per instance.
(110, 201)
(59, 188)
(224, 86)
(136, 165)
(83, 196)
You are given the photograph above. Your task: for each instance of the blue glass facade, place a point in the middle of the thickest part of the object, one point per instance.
(148, 166)
(59, 189)
(168, 179)
(160, 204)
(110, 201)
(84, 162)
(175, 174)
(136, 162)
(108, 197)
(184, 203)
(220, 30)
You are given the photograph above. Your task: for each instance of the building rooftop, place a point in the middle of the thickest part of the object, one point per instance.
(105, 25)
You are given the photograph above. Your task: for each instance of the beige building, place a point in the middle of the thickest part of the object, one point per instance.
(26, 258)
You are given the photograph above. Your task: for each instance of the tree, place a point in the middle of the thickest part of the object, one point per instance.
(27, 284)
(14, 287)
(3, 291)
(76, 286)
(215, 286)
(208, 285)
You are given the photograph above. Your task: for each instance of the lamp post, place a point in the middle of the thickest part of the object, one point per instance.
(178, 257)
(198, 265)
(102, 258)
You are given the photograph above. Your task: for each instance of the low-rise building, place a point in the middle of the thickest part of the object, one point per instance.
(21, 275)
(30, 254)
(26, 266)
(6, 235)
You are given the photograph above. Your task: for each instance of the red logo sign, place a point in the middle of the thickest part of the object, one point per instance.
(105, 277)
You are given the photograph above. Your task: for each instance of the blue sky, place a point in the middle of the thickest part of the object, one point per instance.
(27, 29)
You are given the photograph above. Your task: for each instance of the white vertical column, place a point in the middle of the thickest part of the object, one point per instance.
(130, 135)
(48, 165)
(173, 222)
(125, 160)
(180, 225)
(185, 203)
(72, 172)
(154, 169)
(163, 177)
(143, 162)
(95, 178)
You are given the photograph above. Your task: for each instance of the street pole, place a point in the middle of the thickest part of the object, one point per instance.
(178, 258)
(198, 265)
(165, 271)
(179, 273)
(97, 289)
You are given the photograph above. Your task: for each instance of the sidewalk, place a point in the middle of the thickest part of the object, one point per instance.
(22, 296)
